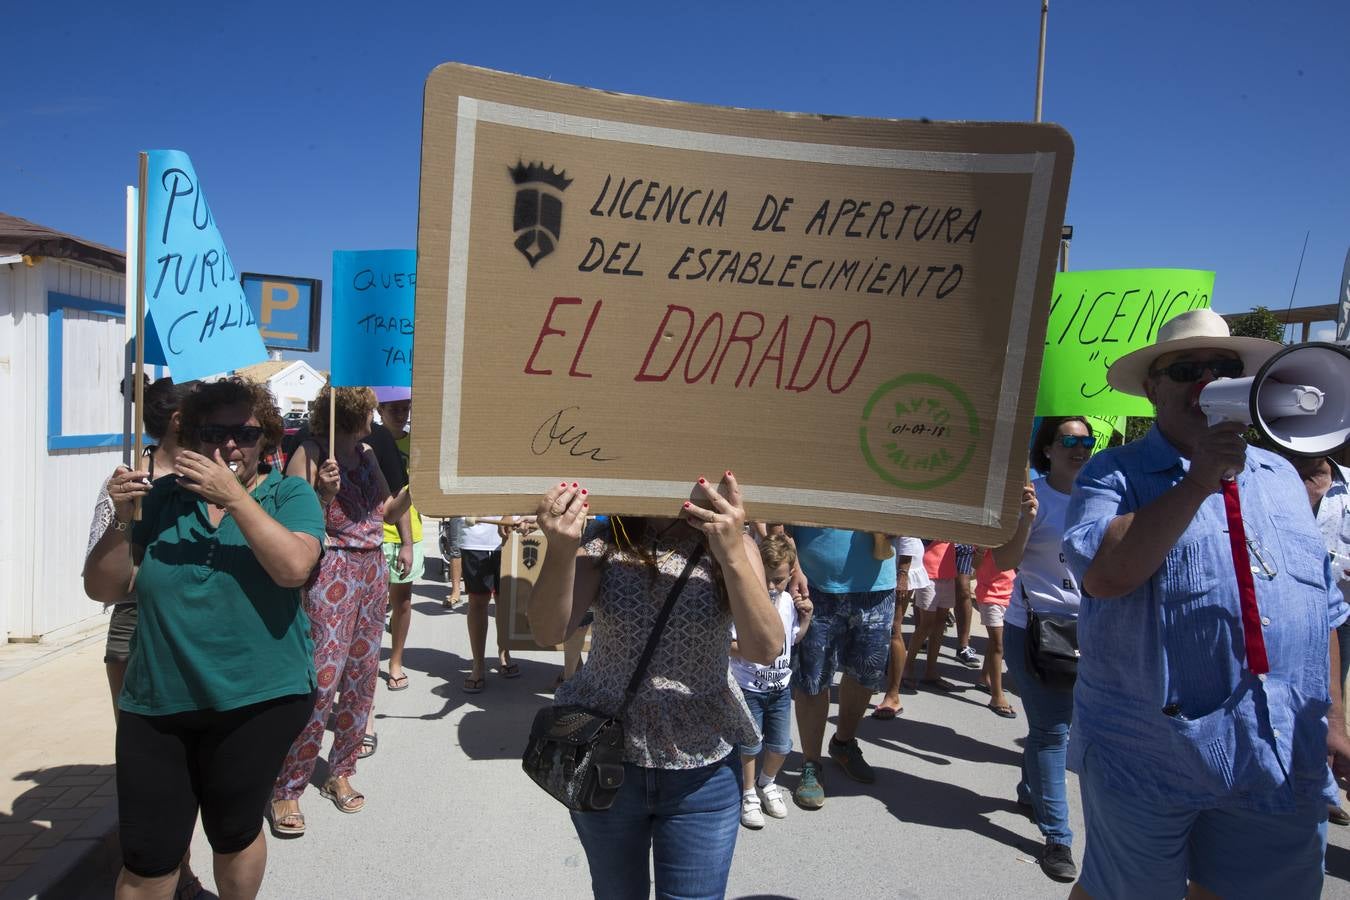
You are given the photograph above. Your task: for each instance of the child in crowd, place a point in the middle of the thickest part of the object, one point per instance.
(993, 591)
(766, 688)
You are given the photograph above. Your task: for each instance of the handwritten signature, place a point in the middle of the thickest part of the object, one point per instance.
(553, 431)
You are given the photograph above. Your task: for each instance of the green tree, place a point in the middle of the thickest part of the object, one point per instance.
(1259, 323)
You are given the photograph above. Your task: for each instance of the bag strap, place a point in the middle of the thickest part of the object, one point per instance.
(660, 625)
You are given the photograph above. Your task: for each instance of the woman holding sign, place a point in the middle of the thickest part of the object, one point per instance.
(221, 676)
(680, 799)
(345, 600)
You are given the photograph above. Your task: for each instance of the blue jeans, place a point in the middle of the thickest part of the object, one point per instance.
(1049, 712)
(686, 820)
(772, 712)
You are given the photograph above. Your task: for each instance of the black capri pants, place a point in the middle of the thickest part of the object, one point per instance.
(221, 763)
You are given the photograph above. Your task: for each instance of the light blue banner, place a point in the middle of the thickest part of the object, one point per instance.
(192, 291)
(373, 293)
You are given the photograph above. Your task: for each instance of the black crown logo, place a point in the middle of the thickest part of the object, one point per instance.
(535, 172)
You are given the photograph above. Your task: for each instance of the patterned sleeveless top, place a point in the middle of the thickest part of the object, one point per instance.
(354, 520)
(688, 711)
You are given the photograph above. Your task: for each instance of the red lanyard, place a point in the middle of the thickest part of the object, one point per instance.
(1252, 637)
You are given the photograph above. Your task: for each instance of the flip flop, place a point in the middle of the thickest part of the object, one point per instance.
(982, 687)
(397, 683)
(277, 823)
(474, 685)
(885, 712)
(510, 670)
(1006, 712)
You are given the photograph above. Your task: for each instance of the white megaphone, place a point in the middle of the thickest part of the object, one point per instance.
(1298, 400)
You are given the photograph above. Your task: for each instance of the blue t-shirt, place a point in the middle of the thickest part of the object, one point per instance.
(841, 562)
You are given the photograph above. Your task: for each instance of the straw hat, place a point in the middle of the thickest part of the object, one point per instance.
(1193, 330)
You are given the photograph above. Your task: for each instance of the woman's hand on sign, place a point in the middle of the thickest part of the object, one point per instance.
(328, 481)
(719, 513)
(210, 479)
(561, 514)
(126, 487)
(1030, 505)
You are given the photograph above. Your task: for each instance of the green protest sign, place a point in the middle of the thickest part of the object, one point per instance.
(1096, 317)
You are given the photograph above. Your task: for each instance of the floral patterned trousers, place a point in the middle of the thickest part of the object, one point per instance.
(345, 603)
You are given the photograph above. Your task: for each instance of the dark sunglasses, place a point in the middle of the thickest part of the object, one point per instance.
(1070, 441)
(1187, 372)
(244, 435)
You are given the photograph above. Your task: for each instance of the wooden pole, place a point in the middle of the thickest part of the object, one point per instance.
(1040, 59)
(138, 368)
(332, 419)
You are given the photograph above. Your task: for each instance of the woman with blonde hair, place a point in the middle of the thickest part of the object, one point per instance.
(345, 599)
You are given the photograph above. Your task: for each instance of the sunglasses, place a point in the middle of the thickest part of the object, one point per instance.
(1190, 371)
(1069, 441)
(244, 435)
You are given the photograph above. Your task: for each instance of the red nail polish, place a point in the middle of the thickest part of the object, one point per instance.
(729, 473)
(574, 484)
(564, 484)
(585, 506)
(703, 481)
(687, 504)
(583, 492)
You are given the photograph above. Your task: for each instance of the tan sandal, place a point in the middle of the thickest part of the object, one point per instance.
(348, 801)
(286, 824)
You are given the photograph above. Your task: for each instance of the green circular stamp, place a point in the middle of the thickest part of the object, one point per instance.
(918, 431)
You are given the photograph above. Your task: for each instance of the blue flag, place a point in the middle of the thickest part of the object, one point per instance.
(192, 292)
(373, 300)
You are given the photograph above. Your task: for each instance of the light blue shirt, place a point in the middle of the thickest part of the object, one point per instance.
(836, 561)
(1163, 699)
(1333, 517)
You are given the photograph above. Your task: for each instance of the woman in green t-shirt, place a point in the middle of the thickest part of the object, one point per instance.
(221, 677)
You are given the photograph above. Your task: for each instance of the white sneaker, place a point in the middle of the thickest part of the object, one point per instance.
(772, 798)
(751, 817)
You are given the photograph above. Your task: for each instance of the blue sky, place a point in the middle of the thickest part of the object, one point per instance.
(1208, 135)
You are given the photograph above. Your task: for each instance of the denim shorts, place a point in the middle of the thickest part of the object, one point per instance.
(1139, 848)
(772, 712)
(850, 633)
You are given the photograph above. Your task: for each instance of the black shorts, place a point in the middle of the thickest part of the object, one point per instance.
(481, 569)
(221, 763)
(121, 626)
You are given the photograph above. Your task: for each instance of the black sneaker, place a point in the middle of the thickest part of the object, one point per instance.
(967, 658)
(1057, 862)
(850, 758)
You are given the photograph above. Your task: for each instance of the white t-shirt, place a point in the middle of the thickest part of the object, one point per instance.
(480, 536)
(769, 679)
(913, 548)
(1043, 578)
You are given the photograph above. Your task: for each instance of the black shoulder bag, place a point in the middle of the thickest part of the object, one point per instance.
(1052, 647)
(575, 753)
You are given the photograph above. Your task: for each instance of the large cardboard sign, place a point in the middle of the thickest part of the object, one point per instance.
(1098, 316)
(373, 316)
(200, 317)
(848, 313)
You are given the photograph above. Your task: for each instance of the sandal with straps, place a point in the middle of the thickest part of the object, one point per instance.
(349, 801)
(287, 824)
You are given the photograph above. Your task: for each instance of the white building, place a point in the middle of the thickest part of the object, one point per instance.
(294, 384)
(62, 353)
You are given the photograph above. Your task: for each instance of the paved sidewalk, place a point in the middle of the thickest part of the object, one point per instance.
(57, 791)
(450, 814)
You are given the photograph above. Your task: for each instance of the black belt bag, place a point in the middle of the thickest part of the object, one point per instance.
(576, 754)
(1052, 647)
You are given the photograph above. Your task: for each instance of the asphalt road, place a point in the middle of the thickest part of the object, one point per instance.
(450, 814)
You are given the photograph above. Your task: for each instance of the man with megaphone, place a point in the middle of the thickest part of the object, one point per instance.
(1200, 728)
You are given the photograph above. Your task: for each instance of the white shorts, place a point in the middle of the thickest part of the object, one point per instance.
(991, 614)
(938, 595)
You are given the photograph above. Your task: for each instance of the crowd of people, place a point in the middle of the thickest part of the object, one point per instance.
(1201, 710)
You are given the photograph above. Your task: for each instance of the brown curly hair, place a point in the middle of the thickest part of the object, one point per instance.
(207, 397)
(353, 405)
